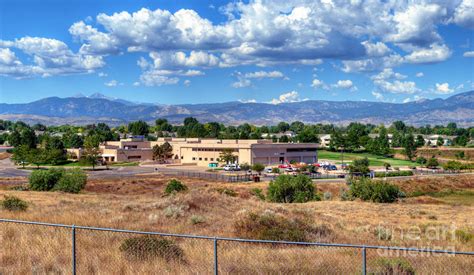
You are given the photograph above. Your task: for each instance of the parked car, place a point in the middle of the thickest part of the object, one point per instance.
(269, 170)
(231, 167)
(283, 166)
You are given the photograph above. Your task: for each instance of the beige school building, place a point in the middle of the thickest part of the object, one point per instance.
(204, 152)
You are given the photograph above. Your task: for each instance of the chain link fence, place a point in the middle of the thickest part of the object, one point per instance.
(44, 248)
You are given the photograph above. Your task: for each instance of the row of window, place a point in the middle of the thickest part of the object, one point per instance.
(206, 159)
(212, 149)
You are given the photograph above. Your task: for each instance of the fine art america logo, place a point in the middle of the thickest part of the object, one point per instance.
(433, 236)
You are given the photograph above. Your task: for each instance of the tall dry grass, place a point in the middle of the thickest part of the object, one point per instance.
(140, 204)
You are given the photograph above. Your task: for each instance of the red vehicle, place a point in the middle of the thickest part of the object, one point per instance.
(284, 166)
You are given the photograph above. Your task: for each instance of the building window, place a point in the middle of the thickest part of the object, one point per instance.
(200, 158)
(205, 159)
(182, 157)
(217, 159)
(212, 159)
(194, 158)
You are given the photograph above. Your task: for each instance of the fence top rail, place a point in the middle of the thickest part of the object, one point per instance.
(237, 239)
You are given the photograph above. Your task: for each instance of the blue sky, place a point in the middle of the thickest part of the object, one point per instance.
(174, 52)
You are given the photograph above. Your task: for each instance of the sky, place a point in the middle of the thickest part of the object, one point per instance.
(176, 52)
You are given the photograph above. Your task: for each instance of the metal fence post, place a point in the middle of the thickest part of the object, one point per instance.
(216, 265)
(73, 249)
(364, 261)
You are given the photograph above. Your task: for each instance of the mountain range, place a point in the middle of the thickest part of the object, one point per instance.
(96, 108)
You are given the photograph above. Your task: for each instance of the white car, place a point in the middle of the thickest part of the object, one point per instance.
(269, 170)
(231, 167)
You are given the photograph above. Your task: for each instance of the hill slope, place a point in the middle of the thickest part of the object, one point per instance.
(79, 110)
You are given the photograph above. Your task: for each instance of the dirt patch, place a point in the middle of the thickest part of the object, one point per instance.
(135, 186)
(436, 184)
(4, 155)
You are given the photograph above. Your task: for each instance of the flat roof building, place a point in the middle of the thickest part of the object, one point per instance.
(206, 151)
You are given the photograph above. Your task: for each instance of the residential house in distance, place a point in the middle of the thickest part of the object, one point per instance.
(289, 134)
(206, 152)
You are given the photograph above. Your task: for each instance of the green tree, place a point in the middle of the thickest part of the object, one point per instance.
(440, 141)
(162, 152)
(91, 153)
(162, 124)
(420, 141)
(28, 137)
(452, 165)
(359, 166)
(409, 146)
(14, 139)
(258, 167)
(283, 127)
(432, 163)
(227, 155)
(308, 134)
(138, 128)
(290, 189)
(21, 155)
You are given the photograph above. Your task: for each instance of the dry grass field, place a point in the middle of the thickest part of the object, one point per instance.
(441, 216)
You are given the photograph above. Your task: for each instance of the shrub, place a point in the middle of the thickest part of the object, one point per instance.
(175, 186)
(394, 174)
(257, 192)
(276, 170)
(227, 191)
(244, 166)
(270, 226)
(432, 163)
(175, 211)
(464, 236)
(359, 166)
(383, 233)
(452, 165)
(12, 203)
(196, 219)
(289, 189)
(72, 181)
(258, 167)
(421, 160)
(395, 266)
(345, 195)
(376, 191)
(149, 247)
(44, 180)
(327, 196)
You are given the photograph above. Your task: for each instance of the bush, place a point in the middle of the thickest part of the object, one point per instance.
(72, 181)
(464, 236)
(452, 165)
(245, 166)
(258, 167)
(175, 186)
(276, 170)
(257, 192)
(227, 191)
(359, 166)
(394, 174)
(289, 189)
(196, 219)
(395, 266)
(270, 226)
(44, 180)
(12, 203)
(421, 160)
(376, 191)
(327, 196)
(432, 163)
(149, 247)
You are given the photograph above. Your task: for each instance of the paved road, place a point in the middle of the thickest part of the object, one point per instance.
(9, 170)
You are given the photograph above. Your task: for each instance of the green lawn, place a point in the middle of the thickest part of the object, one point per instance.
(373, 159)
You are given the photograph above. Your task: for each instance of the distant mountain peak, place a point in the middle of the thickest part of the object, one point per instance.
(81, 109)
